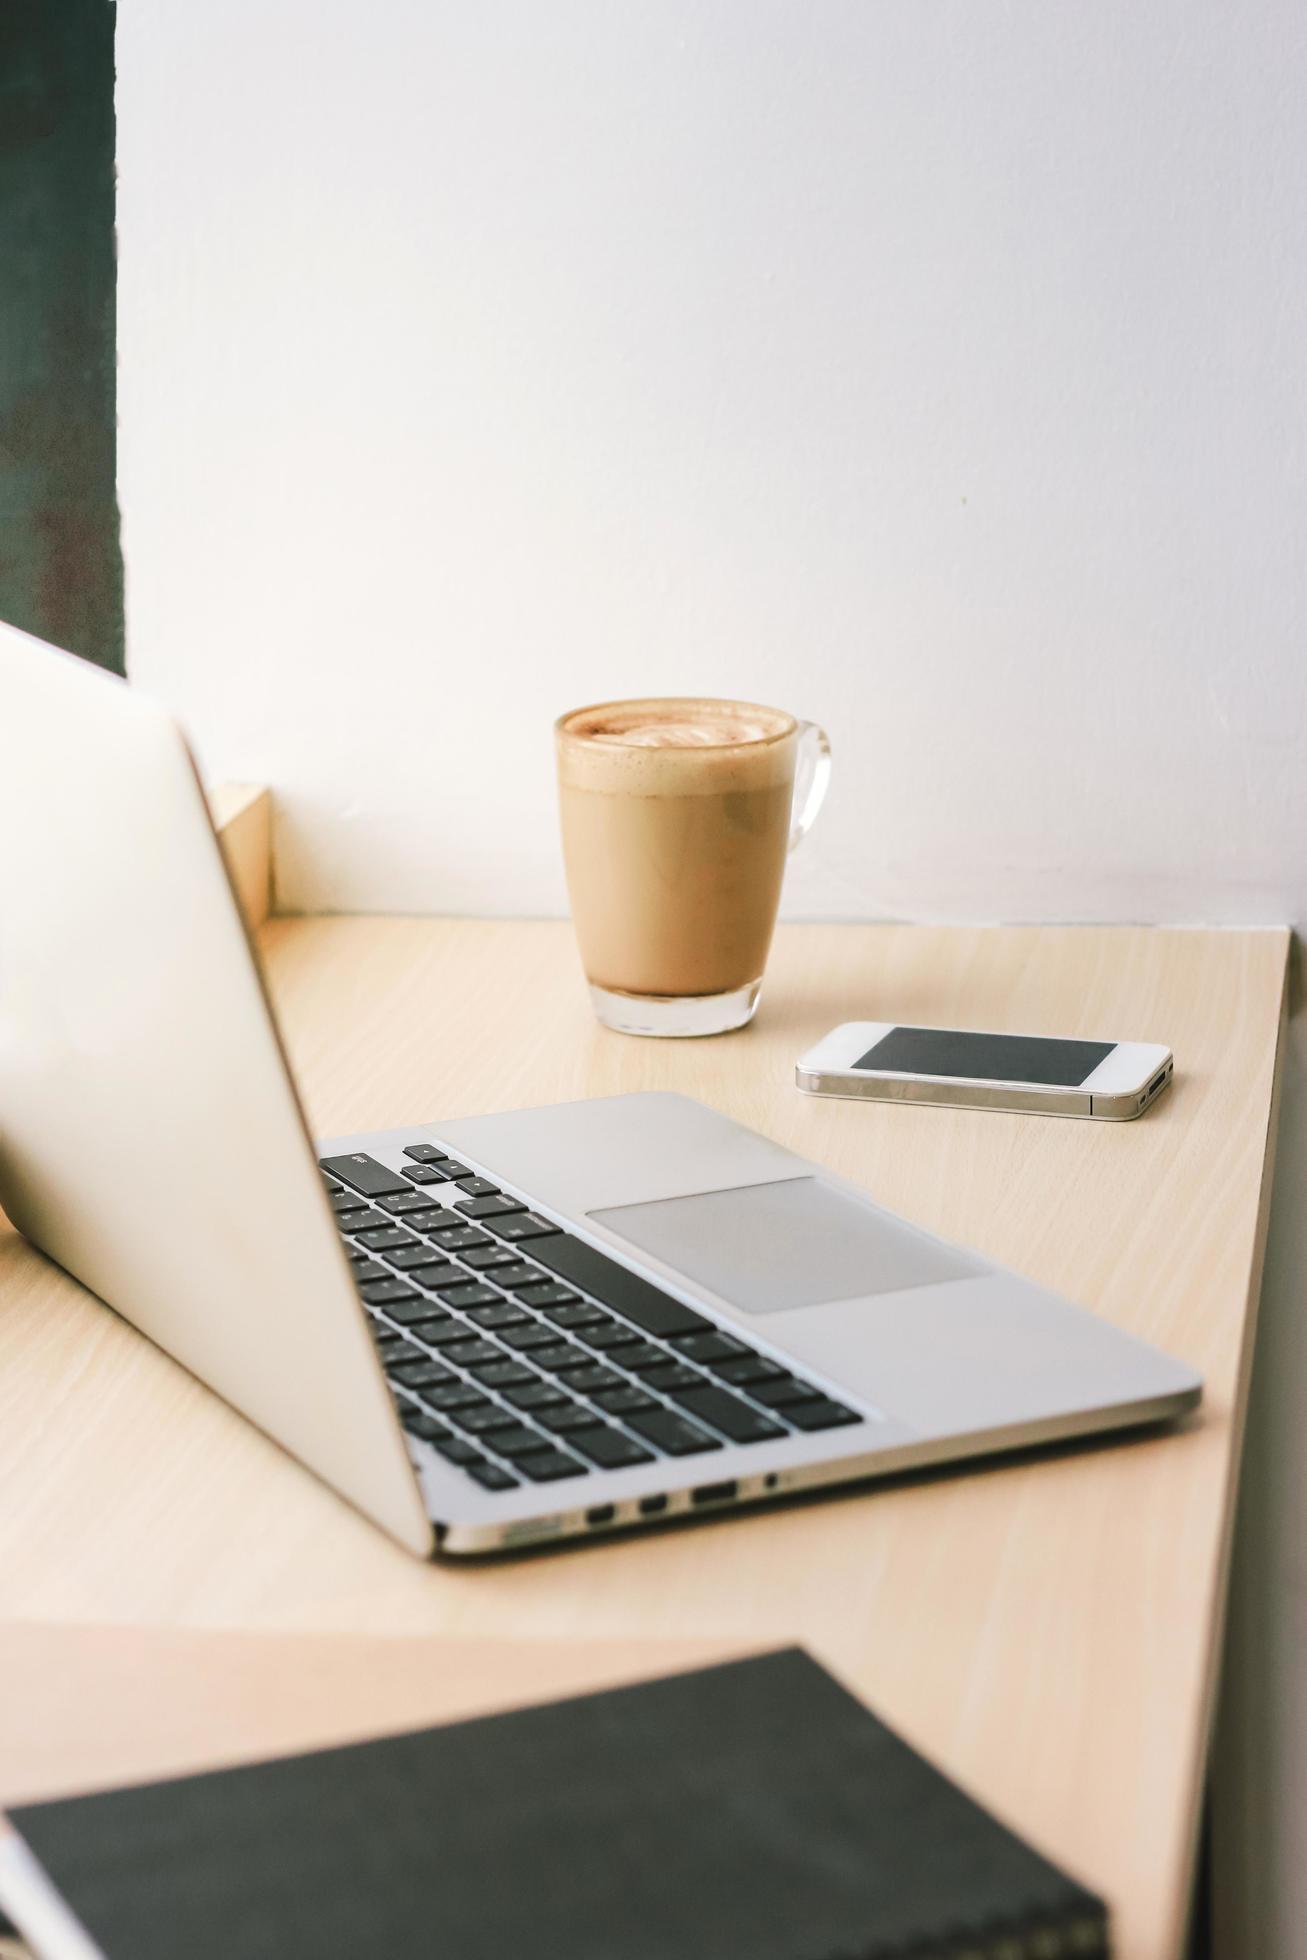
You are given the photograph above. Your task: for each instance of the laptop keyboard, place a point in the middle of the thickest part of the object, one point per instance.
(523, 1355)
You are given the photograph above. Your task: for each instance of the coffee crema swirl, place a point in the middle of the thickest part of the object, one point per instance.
(677, 725)
(675, 746)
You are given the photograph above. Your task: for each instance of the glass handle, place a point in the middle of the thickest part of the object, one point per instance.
(811, 779)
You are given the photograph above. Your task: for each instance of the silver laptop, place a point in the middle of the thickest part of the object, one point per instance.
(487, 1332)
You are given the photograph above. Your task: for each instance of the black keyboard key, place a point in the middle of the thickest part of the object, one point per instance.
(425, 1317)
(644, 1355)
(502, 1314)
(394, 1349)
(402, 1310)
(548, 1465)
(746, 1369)
(497, 1206)
(582, 1314)
(489, 1371)
(331, 1184)
(492, 1476)
(517, 1441)
(778, 1394)
(423, 1373)
(518, 1272)
(424, 1174)
(520, 1225)
(458, 1238)
(388, 1293)
(508, 1374)
(386, 1238)
(610, 1334)
(457, 1449)
(406, 1201)
(347, 1200)
(727, 1413)
(426, 1221)
(621, 1401)
(710, 1347)
(671, 1433)
(565, 1417)
(366, 1269)
(590, 1378)
(471, 1294)
(355, 1222)
(550, 1294)
(426, 1427)
(459, 1395)
(423, 1153)
(820, 1413)
(533, 1336)
(673, 1376)
(363, 1173)
(479, 1187)
(467, 1354)
(534, 1394)
(480, 1421)
(444, 1333)
(558, 1357)
(354, 1251)
(608, 1447)
(386, 1341)
(625, 1292)
(451, 1167)
(433, 1270)
(493, 1255)
(410, 1257)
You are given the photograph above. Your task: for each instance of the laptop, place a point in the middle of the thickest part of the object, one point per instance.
(488, 1332)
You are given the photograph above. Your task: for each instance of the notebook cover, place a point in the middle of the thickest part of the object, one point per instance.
(752, 1811)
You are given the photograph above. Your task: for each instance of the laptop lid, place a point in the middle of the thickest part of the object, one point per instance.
(151, 1140)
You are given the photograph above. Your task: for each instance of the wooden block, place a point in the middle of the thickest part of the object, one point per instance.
(242, 817)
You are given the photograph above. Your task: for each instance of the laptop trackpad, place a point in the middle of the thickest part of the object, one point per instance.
(765, 1248)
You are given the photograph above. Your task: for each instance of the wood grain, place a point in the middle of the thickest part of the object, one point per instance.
(1045, 1629)
(106, 1706)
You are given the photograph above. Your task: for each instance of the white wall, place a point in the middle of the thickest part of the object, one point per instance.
(932, 367)
(935, 368)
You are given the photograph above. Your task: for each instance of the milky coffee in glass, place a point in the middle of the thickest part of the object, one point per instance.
(677, 817)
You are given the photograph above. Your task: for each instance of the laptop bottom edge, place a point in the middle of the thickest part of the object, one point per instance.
(714, 1497)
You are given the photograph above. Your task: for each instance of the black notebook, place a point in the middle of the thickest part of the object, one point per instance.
(753, 1811)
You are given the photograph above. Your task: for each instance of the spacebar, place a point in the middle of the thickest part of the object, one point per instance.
(625, 1292)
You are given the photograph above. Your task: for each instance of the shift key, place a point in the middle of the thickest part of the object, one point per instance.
(636, 1299)
(727, 1413)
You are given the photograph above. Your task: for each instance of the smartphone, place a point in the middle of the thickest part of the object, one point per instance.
(971, 1068)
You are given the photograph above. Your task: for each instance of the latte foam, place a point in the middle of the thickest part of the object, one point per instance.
(677, 746)
(677, 725)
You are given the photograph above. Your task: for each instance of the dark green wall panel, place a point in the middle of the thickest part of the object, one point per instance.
(60, 559)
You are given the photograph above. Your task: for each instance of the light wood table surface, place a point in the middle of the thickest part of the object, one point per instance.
(1047, 1630)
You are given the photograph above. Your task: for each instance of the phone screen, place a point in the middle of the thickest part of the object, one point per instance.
(986, 1057)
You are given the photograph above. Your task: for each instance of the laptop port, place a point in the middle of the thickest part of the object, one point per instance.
(714, 1493)
(601, 1514)
(651, 1506)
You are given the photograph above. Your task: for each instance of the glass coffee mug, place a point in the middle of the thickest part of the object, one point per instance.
(677, 819)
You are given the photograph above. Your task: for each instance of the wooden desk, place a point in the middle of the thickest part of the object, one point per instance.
(1047, 1630)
